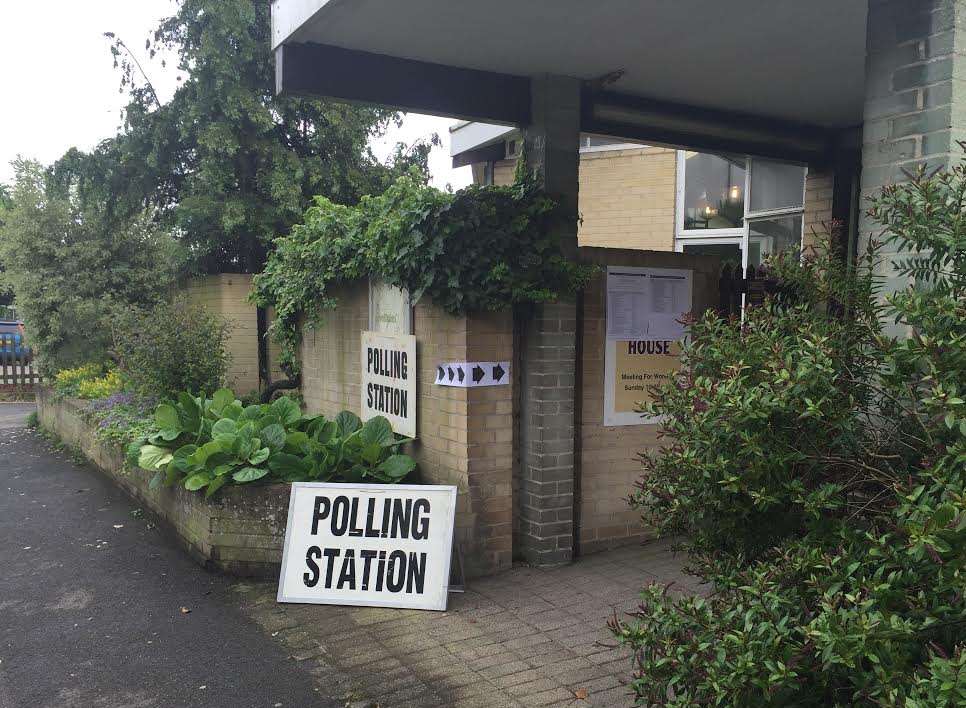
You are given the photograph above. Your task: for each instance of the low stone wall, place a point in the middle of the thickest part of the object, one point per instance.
(240, 531)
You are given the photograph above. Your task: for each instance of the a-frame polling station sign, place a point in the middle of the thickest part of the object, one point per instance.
(382, 545)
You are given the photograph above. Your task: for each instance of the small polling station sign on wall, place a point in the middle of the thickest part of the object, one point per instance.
(644, 330)
(368, 544)
(389, 380)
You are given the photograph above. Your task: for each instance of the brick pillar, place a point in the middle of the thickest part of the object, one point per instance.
(915, 96)
(546, 485)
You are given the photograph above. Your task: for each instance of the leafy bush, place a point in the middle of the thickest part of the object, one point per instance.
(100, 387)
(67, 381)
(817, 468)
(88, 381)
(174, 346)
(205, 443)
(482, 248)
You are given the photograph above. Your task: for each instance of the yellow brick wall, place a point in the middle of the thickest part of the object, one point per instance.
(464, 436)
(226, 295)
(608, 455)
(626, 197)
(503, 171)
(818, 206)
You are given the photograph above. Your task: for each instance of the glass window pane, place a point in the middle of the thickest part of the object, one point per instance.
(770, 236)
(713, 191)
(728, 252)
(776, 185)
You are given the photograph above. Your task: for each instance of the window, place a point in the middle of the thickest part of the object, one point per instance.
(713, 195)
(774, 235)
(775, 186)
(739, 209)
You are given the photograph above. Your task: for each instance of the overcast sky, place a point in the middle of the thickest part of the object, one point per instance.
(61, 89)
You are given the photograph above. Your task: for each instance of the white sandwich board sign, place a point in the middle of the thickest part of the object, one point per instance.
(381, 545)
(389, 380)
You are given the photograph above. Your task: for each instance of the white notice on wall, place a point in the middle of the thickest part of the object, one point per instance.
(369, 544)
(389, 380)
(647, 304)
(472, 374)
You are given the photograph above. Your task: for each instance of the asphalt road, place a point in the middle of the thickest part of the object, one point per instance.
(91, 598)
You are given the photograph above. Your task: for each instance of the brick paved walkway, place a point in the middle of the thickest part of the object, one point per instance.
(527, 637)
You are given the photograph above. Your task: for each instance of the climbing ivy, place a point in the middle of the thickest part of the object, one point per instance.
(478, 249)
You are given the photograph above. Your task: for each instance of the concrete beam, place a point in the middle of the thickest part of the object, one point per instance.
(404, 84)
(678, 125)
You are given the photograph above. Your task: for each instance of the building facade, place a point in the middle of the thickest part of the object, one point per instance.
(736, 208)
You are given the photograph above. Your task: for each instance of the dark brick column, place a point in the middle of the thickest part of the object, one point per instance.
(915, 96)
(549, 343)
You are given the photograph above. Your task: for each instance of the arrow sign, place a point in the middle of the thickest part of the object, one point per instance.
(470, 374)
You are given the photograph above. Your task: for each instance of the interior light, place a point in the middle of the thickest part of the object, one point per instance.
(735, 192)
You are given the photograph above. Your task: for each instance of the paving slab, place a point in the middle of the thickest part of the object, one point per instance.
(527, 637)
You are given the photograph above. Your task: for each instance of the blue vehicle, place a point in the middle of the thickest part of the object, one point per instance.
(12, 339)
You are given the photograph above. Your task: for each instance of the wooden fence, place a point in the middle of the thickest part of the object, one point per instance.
(16, 363)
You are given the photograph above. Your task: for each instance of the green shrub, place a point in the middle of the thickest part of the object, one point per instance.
(482, 248)
(67, 382)
(101, 387)
(817, 468)
(205, 443)
(33, 420)
(174, 346)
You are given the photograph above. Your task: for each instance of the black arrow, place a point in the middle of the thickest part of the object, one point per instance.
(449, 369)
(440, 373)
(459, 372)
(478, 373)
(498, 372)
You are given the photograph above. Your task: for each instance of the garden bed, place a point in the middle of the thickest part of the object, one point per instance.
(239, 531)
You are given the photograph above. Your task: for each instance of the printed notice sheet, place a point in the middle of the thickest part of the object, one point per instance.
(647, 304)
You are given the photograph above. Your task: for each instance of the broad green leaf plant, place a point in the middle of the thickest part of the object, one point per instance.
(206, 443)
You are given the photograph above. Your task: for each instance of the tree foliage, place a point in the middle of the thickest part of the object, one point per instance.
(817, 467)
(226, 164)
(482, 248)
(72, 267)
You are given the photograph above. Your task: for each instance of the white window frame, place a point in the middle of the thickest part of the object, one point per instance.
(606, 148)
(680, 231)
(736, 236)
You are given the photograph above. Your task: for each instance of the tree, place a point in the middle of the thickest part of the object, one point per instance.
(228, 165)
(71, 266)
